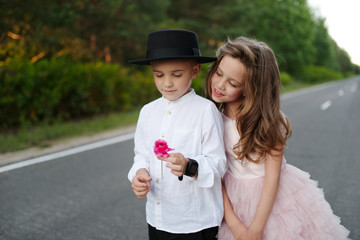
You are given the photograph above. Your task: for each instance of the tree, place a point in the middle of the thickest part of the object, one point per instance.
(343, 59)
(89, 30)
(288, 28)
(325, 52)
(116, 30)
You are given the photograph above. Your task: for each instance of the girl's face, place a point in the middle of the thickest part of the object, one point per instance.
(227, 83)
(173, 77)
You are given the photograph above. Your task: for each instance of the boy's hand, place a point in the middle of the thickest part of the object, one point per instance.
(176, 162)
(140, 183)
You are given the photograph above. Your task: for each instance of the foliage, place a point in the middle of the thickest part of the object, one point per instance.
(85, 30)
(287, 27)
(317, 74)
(89, 31)
(60, 90)
(62, 60)
(343, 60)
(198, 84)
(286, 78)
(44, 134)
(325, 52)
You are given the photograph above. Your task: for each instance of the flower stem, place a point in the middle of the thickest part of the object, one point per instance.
(162, 174)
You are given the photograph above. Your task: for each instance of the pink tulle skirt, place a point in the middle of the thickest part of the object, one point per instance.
(300, 210)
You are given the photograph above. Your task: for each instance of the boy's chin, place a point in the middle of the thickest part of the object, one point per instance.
(172, 96)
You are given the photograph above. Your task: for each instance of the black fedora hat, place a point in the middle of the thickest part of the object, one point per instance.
(172, 44)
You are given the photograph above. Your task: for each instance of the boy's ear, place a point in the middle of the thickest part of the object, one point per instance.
(196, 70)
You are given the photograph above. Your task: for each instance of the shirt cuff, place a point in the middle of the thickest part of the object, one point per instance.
(206, 176)
(135, 167)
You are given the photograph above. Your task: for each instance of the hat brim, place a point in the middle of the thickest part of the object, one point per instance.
(200, 59)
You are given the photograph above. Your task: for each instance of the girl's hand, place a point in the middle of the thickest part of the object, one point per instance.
(176, 162)
(248, 234)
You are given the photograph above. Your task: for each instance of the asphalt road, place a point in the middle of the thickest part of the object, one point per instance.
(87, 195)
(326, 143)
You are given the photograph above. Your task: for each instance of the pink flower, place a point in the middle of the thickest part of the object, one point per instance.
(161, 148)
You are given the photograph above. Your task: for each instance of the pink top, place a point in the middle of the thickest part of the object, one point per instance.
(247, 170)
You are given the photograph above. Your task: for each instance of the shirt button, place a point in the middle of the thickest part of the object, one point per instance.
(169, 112)
(157, 202)
(163, 136)
(157, 181)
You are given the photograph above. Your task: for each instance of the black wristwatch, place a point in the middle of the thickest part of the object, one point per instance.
(191, 169)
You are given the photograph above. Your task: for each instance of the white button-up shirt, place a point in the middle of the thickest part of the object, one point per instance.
(193, 126)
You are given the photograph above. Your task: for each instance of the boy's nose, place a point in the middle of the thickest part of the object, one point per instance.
(168, 82)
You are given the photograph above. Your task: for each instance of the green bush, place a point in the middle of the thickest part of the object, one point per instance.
(60, 90)
(317, 74)
(285, 78)
(198, 84)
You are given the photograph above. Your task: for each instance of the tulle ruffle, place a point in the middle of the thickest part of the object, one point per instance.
(300, 210)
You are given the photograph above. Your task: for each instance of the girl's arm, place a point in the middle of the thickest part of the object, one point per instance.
(235, 225)
(269, 192)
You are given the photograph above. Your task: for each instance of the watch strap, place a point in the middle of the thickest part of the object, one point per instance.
(191, 168)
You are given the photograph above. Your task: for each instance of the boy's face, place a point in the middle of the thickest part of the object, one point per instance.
(173, 77)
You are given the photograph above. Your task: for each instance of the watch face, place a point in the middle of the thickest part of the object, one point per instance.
(193, 168)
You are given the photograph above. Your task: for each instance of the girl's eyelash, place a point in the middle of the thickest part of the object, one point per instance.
(219, 74)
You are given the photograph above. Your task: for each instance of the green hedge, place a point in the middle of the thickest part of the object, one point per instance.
(60, 89)
(318, 74)
(286, 79)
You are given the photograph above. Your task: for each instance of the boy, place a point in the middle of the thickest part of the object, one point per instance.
(189, 206)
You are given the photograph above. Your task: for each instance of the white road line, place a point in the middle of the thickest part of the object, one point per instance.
(325, 105)
(353, 88)
(67, 152)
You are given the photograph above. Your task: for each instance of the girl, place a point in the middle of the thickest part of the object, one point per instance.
(264, 198)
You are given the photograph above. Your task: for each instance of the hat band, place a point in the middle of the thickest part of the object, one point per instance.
(172, 52)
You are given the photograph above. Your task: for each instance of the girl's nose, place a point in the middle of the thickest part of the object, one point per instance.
(221, 84)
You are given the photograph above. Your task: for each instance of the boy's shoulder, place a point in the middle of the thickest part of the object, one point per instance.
(202, 101)
(152, 103)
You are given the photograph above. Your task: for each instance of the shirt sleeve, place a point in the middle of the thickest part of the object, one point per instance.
(212, 161)
(140, 159)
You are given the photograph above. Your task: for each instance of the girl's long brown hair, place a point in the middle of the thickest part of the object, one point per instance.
(260, 123)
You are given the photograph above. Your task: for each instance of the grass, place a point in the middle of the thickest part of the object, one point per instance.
(295, 85)
(41, 136)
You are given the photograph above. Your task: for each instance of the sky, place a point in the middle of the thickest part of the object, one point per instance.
(342, 21)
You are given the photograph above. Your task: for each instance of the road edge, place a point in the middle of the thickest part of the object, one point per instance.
(60, 145)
